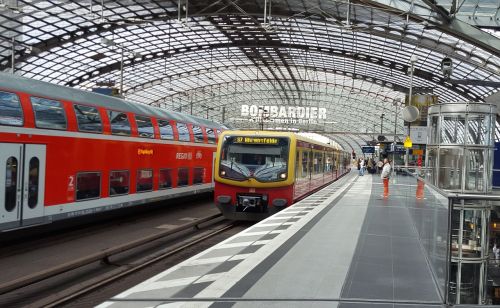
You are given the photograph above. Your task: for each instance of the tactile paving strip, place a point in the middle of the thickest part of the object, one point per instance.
(196, 274)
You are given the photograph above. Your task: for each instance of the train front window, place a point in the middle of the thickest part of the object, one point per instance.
(262, 158)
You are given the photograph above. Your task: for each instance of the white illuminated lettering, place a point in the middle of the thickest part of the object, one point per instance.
(322, 113)
(314, 113)
(244, 110)
(301, 112)
(274, 111)
(282, 113)
(254, 111)
(290, 113)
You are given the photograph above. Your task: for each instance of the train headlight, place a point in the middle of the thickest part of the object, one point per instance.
(283, 175)
(222, 173)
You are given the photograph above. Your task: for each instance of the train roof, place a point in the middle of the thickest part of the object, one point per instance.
(278, 134)
(49, 90)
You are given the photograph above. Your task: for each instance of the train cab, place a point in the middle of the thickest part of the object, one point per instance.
(258, 173)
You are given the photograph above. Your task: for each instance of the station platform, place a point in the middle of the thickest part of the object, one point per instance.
(345, 246)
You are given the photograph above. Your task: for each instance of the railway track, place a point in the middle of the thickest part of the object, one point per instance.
(115, 263)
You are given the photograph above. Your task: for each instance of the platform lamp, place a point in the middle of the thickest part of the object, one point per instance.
(112, 43)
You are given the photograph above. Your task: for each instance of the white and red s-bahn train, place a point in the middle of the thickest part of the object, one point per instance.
(66, 152)
(258, 173)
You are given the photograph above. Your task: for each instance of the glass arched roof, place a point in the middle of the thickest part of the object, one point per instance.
(211, 57)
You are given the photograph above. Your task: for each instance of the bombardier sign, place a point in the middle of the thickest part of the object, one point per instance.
(284, 114)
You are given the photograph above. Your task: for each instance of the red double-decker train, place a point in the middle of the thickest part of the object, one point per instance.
(258, 173)
(66, 152)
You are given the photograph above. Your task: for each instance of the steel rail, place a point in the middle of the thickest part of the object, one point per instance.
(108, 278)
(101, 255)
(450, 194)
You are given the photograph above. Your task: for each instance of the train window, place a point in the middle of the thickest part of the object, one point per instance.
(210, 135)
(88, 118)
(120, 124)
(48, 113)
(88, 185)
(165, 178)
(33, 182)
(183, 177)
(144, 127)
(11, 184)
(198, 175)
(166, 131)
(119, 182)
(304, 163)
(144, 180)
(329, 162)
(11, 112)
(198, 134)
(183, 132)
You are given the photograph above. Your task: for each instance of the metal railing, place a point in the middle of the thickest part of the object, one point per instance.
(457, 202)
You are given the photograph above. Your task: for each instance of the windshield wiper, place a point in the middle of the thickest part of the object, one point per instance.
(238, 168)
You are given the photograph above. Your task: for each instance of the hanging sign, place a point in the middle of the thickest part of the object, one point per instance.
(407, 144)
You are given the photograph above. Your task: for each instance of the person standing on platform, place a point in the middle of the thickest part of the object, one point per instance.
(386, 173)
(362, 167)
(369, 165)
(380, 164)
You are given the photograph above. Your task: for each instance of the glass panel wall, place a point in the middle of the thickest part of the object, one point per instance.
(450, 171)
(453, 129)
(478, 129)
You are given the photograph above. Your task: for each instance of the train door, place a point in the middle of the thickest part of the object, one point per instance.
(33, 184)
(10, 185)
(22, 178)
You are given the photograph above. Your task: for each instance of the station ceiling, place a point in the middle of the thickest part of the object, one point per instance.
(209, 57)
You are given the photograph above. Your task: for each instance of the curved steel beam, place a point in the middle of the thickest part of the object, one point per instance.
(456, 28)
(380, 104)
(266, 44)
(155, 82)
